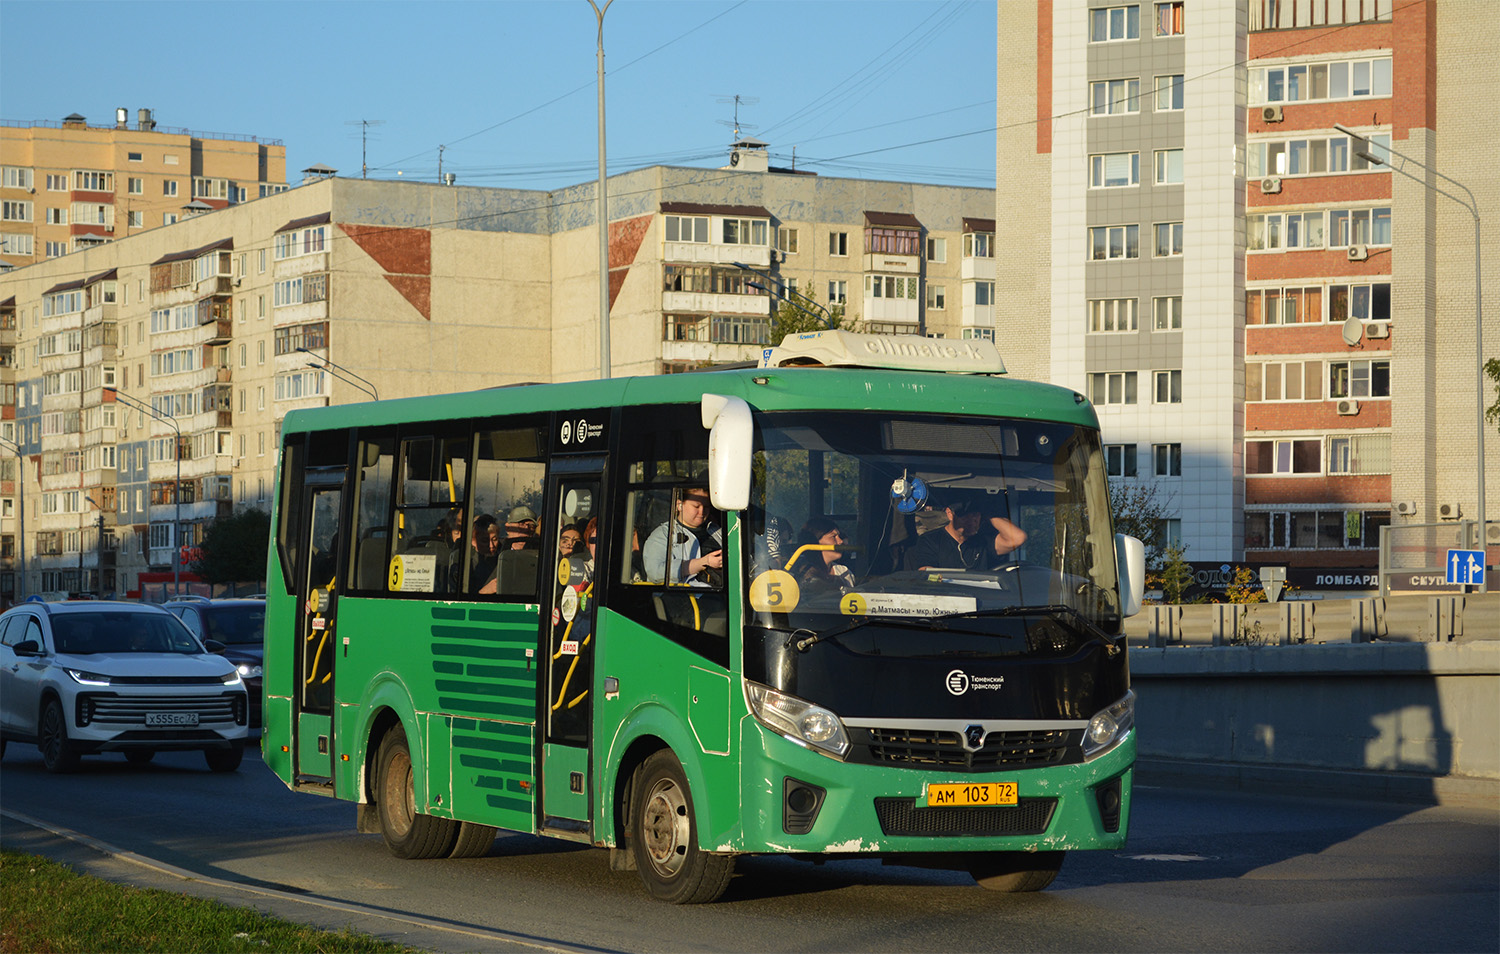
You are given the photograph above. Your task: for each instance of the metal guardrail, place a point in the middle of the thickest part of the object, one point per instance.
(169, 130)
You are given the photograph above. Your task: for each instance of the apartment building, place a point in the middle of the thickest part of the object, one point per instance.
(210, 330)
(67, 186)
(1277, 330)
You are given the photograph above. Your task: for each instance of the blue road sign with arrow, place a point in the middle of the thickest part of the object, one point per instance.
(1466, 566)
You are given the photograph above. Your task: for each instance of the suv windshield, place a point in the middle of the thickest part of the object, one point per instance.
(938, 521)
(244, 623)
(121, 632)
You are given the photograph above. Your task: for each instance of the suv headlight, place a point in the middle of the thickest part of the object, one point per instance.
(1109, 727)
(233, 679)
(797, 719)
(85, 678)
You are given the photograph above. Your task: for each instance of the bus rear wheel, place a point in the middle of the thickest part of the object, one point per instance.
(1016, 871)
(664, 837)
(408, 834)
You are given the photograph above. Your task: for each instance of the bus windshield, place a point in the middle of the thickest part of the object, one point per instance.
(984, 528)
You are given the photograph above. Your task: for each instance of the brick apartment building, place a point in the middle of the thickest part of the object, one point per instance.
(1279, 333)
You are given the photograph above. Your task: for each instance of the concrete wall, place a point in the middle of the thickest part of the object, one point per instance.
(1407, 720)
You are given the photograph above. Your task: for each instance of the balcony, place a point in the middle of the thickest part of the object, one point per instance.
(893, 264)
(973, 268)
(716, 254)
(713, 302)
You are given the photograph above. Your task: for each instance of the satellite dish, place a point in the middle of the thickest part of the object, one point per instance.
(1353, 330)
(734, 158)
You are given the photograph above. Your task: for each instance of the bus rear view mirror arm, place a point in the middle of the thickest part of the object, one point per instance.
(730, 443)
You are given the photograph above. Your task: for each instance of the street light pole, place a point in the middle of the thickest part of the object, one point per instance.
(98, 551)
(603, 208)
(170, 421)
(1361, 148)
(329, 365)
(21, 503)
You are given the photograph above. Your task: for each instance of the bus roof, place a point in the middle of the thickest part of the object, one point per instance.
(764, 389)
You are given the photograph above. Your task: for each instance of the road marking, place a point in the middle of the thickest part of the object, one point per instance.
(347, 907)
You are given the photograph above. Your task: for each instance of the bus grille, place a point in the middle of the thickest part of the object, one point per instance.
(901, 816)
(219, 709)
(921, 748)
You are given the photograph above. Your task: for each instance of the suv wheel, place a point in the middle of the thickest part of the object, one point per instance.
(52, 738)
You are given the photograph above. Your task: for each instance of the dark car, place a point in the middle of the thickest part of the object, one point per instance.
(240, 626)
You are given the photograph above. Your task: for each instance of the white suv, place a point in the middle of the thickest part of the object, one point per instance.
(85, 677)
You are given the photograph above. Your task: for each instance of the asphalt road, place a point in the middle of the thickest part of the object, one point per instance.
(1204, 871)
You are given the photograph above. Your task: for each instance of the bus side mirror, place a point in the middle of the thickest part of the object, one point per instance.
(730, 441)
(1130, 558)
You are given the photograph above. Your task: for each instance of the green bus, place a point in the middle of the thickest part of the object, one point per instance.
(862, 599)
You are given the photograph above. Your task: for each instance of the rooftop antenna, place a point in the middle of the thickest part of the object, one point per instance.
(738, 101)
(364, 138)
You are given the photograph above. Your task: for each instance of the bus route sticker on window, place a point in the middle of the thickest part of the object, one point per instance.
(774, 591)
(904, 604)
(413, 572)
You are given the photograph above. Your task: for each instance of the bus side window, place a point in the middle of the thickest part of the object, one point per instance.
(374, 467)
(430, 515)
(507, 485)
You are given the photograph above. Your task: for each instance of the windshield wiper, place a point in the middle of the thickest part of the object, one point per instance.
(929, 623)
(1079, 621)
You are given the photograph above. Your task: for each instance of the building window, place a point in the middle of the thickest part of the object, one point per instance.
(1115, 23)
(1108, 315)
(1359, 227)
(18, 243)
(57, 249)
(1110, 242)
(886, 241)
(1310, 82)
(15, 210)
(984, 293)
(786, 241)
(136, 220)
(974, 334)
(1169, 93)
(838, 293)
(1167, 460)
(1169, 167)
(979, 245)
(687, 228)
(1169, 18)
(1358, 454)
(745, 231)
(1370, 302)
(57, 183)
(1284, 381)
(169, 218)
(1119, 460)
(1168, 387)
(1169, 532)
(1112, 387)
(1115, 97)
(937, 297)
(169, 187)
(1282, 231)
(90, 180)
(838, 244)
(1273, 457)
(1114, 170)
(1168, 239)
(1314, 156)
(937, 250)
(135, 185)
(1166, 313)
(1359, 379)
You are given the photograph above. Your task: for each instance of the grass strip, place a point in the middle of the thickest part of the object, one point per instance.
(47, 908)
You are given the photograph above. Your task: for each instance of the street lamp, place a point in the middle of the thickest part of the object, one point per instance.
(603, 208)
(176, 488)
(788, 294)
(328, 365)
(21, 503)
(98, 551)
(1361, 148)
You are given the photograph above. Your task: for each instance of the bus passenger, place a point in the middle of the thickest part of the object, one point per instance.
(481, 557)
(520, 529)
(696, 548)
(821, 568)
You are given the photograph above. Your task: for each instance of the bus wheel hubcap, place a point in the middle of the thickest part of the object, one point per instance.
(664, 824)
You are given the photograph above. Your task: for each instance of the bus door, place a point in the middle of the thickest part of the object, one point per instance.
(317, 638)
(569, 643)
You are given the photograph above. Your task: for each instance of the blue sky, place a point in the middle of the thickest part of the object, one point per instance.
(508, 87)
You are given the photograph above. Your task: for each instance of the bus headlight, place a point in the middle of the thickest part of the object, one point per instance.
(1109, 727)
(797, 719)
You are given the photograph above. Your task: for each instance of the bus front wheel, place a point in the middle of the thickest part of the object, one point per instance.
(1016, 871)
(408, 834)
(664, 837)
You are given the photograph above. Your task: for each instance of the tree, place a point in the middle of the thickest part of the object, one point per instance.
(1139, 512)
(1175, 575)
(798, 316)
(234, 548)
(1492, 371)
(1244, 588)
